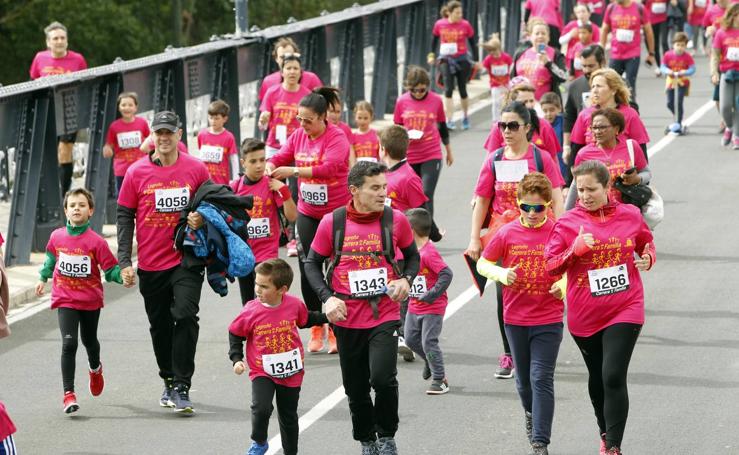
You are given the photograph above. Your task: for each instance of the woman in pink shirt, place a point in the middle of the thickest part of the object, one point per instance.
(694, 25)
(596, 8)
(547, 10)
(602, 246)
(320, 153)
(725, 72)
(658, 18)
(540, 63)
(286, 46)
(569, 32)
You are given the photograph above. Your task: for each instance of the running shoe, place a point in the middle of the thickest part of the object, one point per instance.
(529, 422)
(735, 143)
(370, 448)
(166, 400)
(539, 448)
(657, 72)
(292, 248)
(450, 125)
(97, 382)
(426, 375)
(726, 138)
(387, 446)
(602, 444)
(332, 347)
(181, 399)
(316, 339)
(465, 123)
(405, 351)
(505, 367)
(438, 387)
(70, 403)
(614, 451)
(258, 449)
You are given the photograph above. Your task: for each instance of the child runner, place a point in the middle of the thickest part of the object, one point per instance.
(498, 65)
(585, 38)
(533, 307)
(334, 117)
(428, 301)
(73, 256)
(217, 145)
(678, 65)
(274, 352)
(365, 143)
(551, 104)
(125, 137)
(269, 194)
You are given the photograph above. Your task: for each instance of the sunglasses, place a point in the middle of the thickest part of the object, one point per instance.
(419, 91)
(537, 208)
(513, 126)
(290, 55)
(303, 119)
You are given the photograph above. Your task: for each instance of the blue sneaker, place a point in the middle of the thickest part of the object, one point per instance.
(387, 446)
(450, 125)
(166, 400)
(258, 449)
(370, 448)
(181, 399)
(465, 123)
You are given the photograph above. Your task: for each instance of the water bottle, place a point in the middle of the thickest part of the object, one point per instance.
(389, 290)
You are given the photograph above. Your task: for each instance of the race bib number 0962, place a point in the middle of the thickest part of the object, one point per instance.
(171, 200)
(74, 266)
(258, 228)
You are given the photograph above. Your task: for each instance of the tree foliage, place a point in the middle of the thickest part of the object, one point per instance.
(102, 30)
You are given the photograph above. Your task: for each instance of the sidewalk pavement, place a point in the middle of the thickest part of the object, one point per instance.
(22, 279)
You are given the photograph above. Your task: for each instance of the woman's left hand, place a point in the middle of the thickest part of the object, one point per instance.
(645, 261)
(543, 58)
(282, 173)
(631, 179)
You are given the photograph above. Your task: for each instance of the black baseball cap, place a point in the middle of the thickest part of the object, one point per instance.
(165, 120)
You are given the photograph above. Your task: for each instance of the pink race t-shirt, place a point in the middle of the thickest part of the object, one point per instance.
(404, 187)
(363, 238)
(6, 425)
(527, 301)
(126, 140)
(328, 156)
(699, 10)
(619, 231)
(502, 185)
(573, 58)
(528, 65)
(273, 330)
(617, 160)
(215, 151)
(595, 6)
(677, 63)
(545, 139)
(727, 42)
(713, 16)
(264, 227)
(431, 265)
(158, 194)
(634, 128)
(283, 107)
(453, 36)
(76, 276)
(498, 68)
(657, 10)
(366, 145)
(45, 64)
(307, 79)
(625, 24)
(547, 10)
(572, 25)
(421, 119)
(346, 129)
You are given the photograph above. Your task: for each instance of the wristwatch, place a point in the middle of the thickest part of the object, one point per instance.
(296, 172)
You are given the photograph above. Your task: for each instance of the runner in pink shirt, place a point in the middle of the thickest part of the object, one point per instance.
(125, 136)
(694, 25)
(286, 46)
(541, 64)
(549, 11)
(217, 146)
(574, 62)
(603, 246)
(658, 18)
(596, 8)
(533, 307)
(498, 64)
(678, 65)
(280, 105)
(7, 429)
(365, 142)
(74, 256)
(274, 352)
(624, 20)
(725, 60)
(334, 118)
(569, 32)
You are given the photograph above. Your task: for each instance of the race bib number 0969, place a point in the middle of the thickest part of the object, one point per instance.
(171, 200)
(314, 194)
(74, 266)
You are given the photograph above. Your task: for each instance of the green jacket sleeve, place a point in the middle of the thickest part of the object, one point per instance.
(47, 270)
(114, 274)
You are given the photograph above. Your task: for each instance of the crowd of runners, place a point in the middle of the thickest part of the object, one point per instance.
(562, 217)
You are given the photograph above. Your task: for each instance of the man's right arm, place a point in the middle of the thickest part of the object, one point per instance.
(314, 273)
(125, 223)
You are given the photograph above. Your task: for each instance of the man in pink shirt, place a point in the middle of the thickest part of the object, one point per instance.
(59, 60)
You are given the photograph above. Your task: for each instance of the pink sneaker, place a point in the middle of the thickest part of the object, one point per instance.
(505, 367)
(735, 142)
(603, 444)
(726, 138)
(292, 248)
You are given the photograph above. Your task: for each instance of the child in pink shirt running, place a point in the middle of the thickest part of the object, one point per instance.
(125, 137)
(498, 65)
(678, 65)
(365, 143)
(218, 146)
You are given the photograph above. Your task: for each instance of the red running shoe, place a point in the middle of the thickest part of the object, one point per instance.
(97, 382)
(70, 403)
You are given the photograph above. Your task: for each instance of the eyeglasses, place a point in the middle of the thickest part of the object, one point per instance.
(537, 208)
(419, 91)
(600, 127)
(513, 126)
(303, 119)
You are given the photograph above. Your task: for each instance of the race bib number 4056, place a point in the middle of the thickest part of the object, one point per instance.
(608, 281)
(366, 283)
(74, 266)
(282, 365)
(171, 200)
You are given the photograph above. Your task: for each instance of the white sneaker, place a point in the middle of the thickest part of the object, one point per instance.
(405, 351)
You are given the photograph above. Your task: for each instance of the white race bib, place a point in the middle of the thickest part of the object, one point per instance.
(418, 288)
(211, 153)
(499, 70)
(314, 193)
(511, 170)
(415, 134)
(700, 3)
(129, 139)
(258, 228)
(624, 35)
(369, 282)
(608, 281)
(281, 134)
(585, 99)
(371, 159)
(732, 54)
(171, 199)
(577, 63)
(282, 365)
(659, 8)
(74, 266)
(448, 49)
(388, 202)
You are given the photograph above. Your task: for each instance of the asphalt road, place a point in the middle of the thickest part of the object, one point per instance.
(683, 379)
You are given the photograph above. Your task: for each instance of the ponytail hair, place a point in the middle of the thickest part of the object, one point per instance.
(535, 124)
(319, 99)
(448, 7)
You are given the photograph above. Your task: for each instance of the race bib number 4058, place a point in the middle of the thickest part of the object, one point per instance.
(366, 283)
(74, 266)
(171, 200)
(609, 280)
(282, 365)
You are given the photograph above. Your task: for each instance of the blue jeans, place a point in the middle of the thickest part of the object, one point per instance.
(671, 102)
(535, 349)
(631, 67)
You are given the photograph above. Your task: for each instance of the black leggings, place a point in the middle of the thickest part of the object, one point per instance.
(263, 389)
(501, 324)
(246, 286)
(69, 322)
(607, 355)
(306, 230)
(661, 44)
(429, 172)
(66, 171)
(461, 76)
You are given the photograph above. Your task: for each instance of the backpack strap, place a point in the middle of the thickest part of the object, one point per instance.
(497, 156)
(630, 146)
(537, 159)
(388, 248)
(339, 228)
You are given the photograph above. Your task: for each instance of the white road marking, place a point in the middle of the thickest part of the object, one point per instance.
(665, 141)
